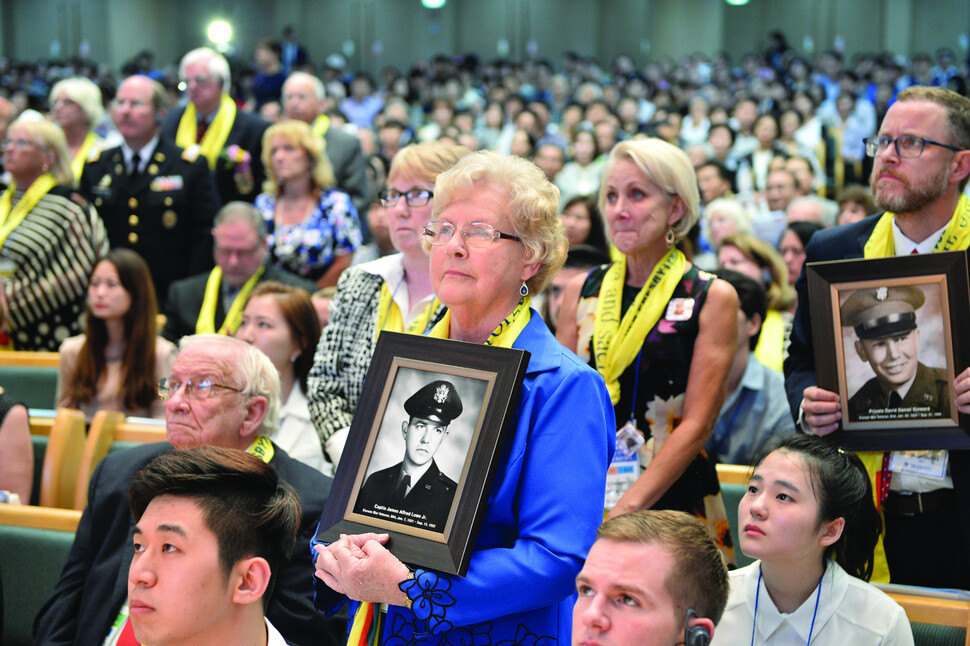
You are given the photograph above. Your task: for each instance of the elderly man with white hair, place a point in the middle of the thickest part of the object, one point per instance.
(230, 139)
(305, 99)
(220, 392)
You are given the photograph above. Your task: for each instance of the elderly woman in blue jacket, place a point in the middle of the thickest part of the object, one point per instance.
(495, 238)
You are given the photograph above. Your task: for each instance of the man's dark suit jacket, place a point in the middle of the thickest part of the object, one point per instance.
(349, 168)
(430, 497)
(94, 582)
(247, 133)
(184, 300)
(165, 215)
(843, 243)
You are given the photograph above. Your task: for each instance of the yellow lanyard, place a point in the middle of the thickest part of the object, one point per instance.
(321, 125)
(262, 448)
(77, 164)
(956, 236)
(11, 217)
(503, 336)
(214, 139)
(389, 315)
(616, 340)
(206, 324)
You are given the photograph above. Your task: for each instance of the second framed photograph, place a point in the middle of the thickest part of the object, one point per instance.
(885, 341)
(423, 447)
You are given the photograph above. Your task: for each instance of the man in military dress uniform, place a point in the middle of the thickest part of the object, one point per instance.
(154, 198)
(414, 491)
(884, 319)
(230, 140)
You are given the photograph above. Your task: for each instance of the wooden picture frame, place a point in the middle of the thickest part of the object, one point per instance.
(928, 418)
(462, 466)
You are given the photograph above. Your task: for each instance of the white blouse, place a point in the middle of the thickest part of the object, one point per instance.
(850, 611)
(296, 434)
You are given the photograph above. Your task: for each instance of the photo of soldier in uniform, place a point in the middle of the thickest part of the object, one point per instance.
(891, 371)
(433, 431)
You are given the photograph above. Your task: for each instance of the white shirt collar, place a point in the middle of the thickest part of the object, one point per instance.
(391, 269)
(768, 618)
(904, 246)
(144, 154)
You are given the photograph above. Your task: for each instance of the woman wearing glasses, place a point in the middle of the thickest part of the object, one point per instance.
(312, 225)
(661, 332)
(50, 238)
(390, 293)
(496, 238)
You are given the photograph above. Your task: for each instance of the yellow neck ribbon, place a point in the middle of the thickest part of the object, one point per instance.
(321, 125)
(616, 341)
(77, 164)
(12, 216)
(503, 336)
(214, 139)
(389, 315)
(771, 342)
(206, 324)
(956, 236)
(262, 448)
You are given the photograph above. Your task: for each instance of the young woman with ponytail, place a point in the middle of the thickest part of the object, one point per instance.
(809, 518)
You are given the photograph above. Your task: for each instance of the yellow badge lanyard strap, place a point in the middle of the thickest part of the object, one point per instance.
(503, 336)
(881, 245)
(262, 448)
(12, 216)
(389, 315)
(321, 125)
(617, 341)
(215, 136)
(77, 164)
(206, 324)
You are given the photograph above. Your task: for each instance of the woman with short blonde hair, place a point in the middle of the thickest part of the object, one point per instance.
(390, 293)
(77, 108)
(313, 226)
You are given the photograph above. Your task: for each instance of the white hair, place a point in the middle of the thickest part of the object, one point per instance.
(215, 63)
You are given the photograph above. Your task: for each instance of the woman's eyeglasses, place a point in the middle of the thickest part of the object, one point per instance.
(475, 234)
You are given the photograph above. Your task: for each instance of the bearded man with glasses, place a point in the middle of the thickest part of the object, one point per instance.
(921, 163)
(220, 392)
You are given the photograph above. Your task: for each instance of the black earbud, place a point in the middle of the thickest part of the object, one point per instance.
(695, 635)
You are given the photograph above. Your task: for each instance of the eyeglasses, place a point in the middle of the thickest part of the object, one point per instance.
(223, 252)
(19, 143)
(201, 389)
(198, 80)
(413, 197)
(907, 146)
(475, 234)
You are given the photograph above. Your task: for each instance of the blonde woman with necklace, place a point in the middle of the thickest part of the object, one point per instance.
(313, 226)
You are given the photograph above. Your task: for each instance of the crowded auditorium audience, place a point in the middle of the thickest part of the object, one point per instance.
(442, 200)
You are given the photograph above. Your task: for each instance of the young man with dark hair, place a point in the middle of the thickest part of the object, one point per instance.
(213, 526)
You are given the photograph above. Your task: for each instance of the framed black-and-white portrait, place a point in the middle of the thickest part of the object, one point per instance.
(884, 338)
(423, 447)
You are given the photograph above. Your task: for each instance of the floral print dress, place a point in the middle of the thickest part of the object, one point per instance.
(655, 398)
(308, 248)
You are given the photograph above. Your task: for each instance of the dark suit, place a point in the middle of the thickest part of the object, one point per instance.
(349, 168)
(930, 389)
(842, 243)
(165, 214)
(93, 584)
(184, 300)
(430, 497)
(247, 133)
